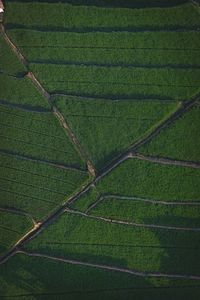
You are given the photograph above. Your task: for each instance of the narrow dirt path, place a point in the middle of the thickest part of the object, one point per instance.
(130, 223)
(138, 199)
(13, 47)
(39, 87)
(75, 141)
(167, 161)
(111, 268)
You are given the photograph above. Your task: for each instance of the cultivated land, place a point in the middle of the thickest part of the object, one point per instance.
(99, 152)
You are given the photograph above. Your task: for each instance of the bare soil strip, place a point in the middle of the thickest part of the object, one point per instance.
(130, 223)
(75, 141)
(111, 268)
(39, 86)
(14, 48)
(167, 161)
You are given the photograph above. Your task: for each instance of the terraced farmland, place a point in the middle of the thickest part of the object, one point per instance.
(99, 151)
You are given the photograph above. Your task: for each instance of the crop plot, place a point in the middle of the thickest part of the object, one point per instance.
(107, 128)
(179, 139)
(13, 225)
(38, 136)
(99, 151)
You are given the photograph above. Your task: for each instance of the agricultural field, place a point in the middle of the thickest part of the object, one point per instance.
(99, 150)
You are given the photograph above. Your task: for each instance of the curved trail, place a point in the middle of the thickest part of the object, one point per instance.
(131, 223)
(137, 199)
(111, 268)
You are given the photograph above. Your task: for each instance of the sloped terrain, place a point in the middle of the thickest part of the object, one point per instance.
(99, 151)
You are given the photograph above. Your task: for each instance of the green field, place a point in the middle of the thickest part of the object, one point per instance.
(99, 151)
(141, 212)
(119, 82)
(73, 282)
(12, 227)
(101, 125)
(96, 241)
(178, 140)
(152, 181)
(20, 92)
(36, 188)
(72, 17)
(36, 135)
(8, 61)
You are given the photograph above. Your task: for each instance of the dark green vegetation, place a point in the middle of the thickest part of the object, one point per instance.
(106, 128)
(12, 227)
(36, 135)
(82, 81)
(178, 140)
(23, 275)
(35, 187)
(72, 17)
(20, 92)
(8, 61)
(86, 200)
(152, 181)
(123, 53)
(139, 211)
(119, 82)
(149, 250)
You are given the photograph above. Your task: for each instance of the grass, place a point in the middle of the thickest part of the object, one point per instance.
(164, 83)
(152, 180)
(75, 282)
(101, 125)
(12, 227)
(9, 63)
(69, 16)
(135, 210)
(36, 135)
(34, 187)
(180, 140)
(86, 199)
(21, 92)
(84, 239)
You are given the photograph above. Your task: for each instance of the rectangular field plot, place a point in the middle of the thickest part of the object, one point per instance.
(142, 212)
(34, 187)
(180, 140)
(152, 181)
(114, 48)
(36, 135)
(150, 250)
(12, 227)
(124, 82)
(107, 128)
(80, 17)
